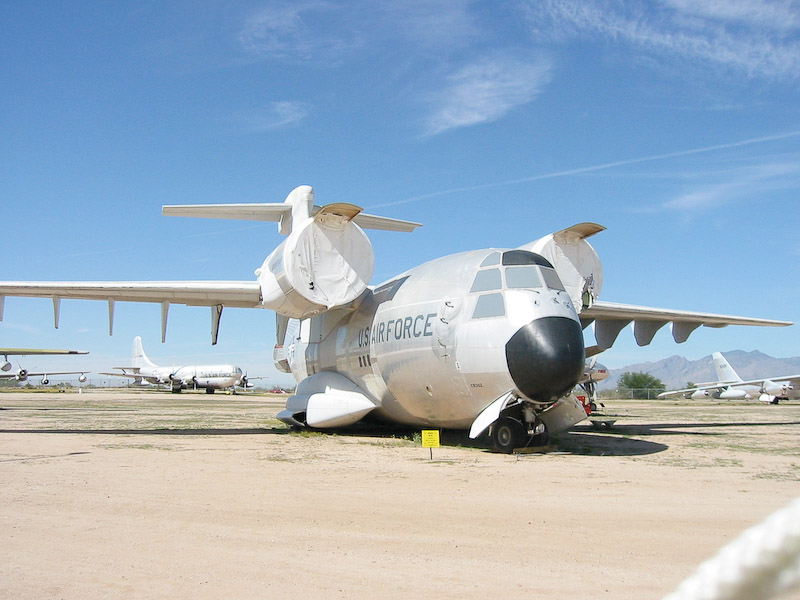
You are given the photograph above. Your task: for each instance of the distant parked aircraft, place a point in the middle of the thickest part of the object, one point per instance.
(23, 374)
(730, 386)
(210, 377)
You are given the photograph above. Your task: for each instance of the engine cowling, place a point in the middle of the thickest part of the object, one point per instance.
(325, 262)
(776, 388)
(45, 381)
(700, 394)
(22, 375)
(5, 366)
(575, 260)
(82, 378)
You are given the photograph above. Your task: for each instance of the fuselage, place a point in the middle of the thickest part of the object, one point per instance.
(437, 344)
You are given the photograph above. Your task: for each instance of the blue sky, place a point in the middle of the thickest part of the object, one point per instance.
(676, 124)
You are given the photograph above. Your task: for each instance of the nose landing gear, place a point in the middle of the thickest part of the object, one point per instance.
(509, 433)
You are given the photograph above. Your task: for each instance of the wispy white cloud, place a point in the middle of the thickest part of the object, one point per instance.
(604, 167)
(274, 116)
(293, 31)
(737, 34)
(770, 14)
(752, 182)
(486, 90)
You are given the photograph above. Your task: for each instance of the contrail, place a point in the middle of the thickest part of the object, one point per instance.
(610, 165)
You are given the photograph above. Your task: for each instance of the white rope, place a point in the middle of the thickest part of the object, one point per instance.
(761, 562)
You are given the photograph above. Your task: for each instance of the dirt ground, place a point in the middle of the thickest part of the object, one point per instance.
(155, 495)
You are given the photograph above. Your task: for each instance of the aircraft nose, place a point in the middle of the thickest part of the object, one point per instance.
(546, 357)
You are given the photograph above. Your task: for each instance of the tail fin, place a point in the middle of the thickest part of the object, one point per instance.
(139, 358)
(725, 372)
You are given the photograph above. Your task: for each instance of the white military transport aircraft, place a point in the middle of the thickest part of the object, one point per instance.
(730, 386)
(23, 374)
(208, 377)
(487, 339)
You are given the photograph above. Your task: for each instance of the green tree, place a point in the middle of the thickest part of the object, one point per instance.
(640, 385)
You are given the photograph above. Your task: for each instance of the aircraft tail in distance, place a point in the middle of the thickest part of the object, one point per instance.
(139, 358)
(725, 372)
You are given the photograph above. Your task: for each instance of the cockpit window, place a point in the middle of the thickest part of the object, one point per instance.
(489, 305)
(523, 277)
(551, 279)
(487, 280)
(523, 257)
(491, 260)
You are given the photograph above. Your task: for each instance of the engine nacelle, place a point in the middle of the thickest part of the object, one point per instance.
(576, 262)
(733, 394)
(325, 262)
(45, 381)
(82, 378)
(776, 388)
(5, 366)
(700, 394)
(22, 375)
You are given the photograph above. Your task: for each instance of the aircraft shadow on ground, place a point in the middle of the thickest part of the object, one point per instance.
(178, 431)
(646, 429)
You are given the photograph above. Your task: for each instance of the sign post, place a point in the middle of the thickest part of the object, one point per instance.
(430, 439)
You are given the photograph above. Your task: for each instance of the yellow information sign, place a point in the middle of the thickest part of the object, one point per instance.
(430, 438)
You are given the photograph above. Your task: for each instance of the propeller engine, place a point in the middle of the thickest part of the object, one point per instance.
(776, 388)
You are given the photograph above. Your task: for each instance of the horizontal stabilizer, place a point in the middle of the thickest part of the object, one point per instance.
(275, 212)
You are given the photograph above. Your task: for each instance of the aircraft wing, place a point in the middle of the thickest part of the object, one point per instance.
(48, 373)
(697, 388)
(132, 375)
(31, 351)
(216, 294)
(610, 317)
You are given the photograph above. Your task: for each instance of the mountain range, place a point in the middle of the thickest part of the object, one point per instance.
(677, 371)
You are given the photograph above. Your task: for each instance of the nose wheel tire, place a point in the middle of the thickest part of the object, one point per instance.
(508, 434)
